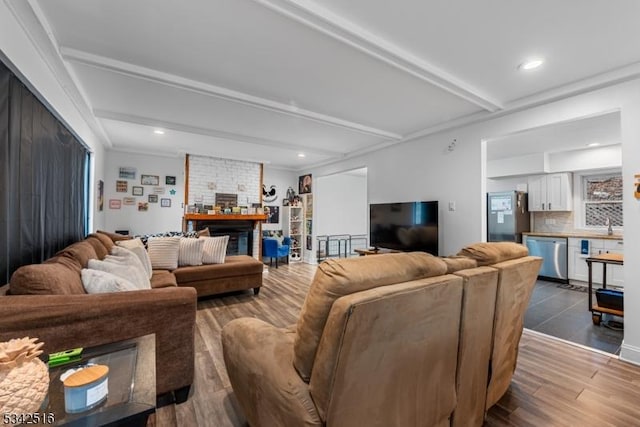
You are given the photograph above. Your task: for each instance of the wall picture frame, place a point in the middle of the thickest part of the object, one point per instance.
(304, 184)
(170, 180)
(137, 191)
(115, 203)
(143, 206)
(126, 172)
(150, 179)
(165, 203)
(122, 186)
(153, 198)
(128, 201)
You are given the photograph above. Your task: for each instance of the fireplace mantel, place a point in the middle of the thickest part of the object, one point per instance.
(225, 217)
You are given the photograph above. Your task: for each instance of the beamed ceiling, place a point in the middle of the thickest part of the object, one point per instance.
(265, 80)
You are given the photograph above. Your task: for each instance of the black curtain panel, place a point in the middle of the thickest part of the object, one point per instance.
(43, 204)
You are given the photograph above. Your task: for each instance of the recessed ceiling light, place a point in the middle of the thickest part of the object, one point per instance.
(301, 155)
(593, 144)
(158, 132)
(531, 64)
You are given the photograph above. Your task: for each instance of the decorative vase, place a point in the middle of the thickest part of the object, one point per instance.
(24, 379)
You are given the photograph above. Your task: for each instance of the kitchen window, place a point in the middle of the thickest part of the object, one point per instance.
(602, 199)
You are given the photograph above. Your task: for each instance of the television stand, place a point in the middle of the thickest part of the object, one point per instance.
(375, 251)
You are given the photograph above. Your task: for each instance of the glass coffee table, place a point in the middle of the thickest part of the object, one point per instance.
(132, 385)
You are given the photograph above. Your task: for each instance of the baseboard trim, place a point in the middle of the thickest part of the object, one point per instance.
(630, 354)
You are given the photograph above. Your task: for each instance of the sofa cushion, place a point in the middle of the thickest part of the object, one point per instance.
(106, 240)
(235, 265)
(163, 252)
(49, 278)
(336, 278)
(163, 279)
(101, 282)
(190, 252)
(81, 252)
(494, 252)
(98, 246)
(457, 263)
(114, 236)
(214, 250)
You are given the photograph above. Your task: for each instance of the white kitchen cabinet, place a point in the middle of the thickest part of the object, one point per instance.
(550, 192)
(578, 269)
(615, 273)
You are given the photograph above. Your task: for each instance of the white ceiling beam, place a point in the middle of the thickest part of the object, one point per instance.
(230, 136)
(160, 77)
(321, 19)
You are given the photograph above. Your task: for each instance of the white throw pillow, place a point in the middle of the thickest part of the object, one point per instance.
(122, 267)
(129, 257)
(190, 252)
(99, 282)
(163, 252)
(214, 249)
(137, 247)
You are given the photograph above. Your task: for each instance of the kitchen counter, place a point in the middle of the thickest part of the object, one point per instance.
(577, 234)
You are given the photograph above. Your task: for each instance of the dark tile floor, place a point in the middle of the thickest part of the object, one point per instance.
(563, 313)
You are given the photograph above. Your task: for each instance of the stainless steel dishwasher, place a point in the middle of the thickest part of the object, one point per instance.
(553, 251)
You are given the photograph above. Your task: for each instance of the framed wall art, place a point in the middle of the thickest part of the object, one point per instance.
(170, 180)
(125, 172)
(165, 203)
(149, 179)
(115, 203)
(153, 198)
(122, 186)
(137, 191)
(143, 206)
(128, 201)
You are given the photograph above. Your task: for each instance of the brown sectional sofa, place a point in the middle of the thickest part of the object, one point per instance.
(396, 339)
(48, 301)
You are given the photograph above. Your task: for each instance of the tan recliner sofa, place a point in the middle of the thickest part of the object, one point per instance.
(389, 340)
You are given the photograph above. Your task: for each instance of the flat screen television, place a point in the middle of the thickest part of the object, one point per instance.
(408, 226)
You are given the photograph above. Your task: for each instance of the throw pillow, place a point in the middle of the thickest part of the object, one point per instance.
(214, 249)
(99, 282)
(163, 252)
(122, 267)
(204, 232)
(130, 257)
(137, 247)
(190, 252)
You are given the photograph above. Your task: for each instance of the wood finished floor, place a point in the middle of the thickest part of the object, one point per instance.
(555, 384)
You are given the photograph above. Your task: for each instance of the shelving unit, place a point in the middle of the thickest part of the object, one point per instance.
(292, 223)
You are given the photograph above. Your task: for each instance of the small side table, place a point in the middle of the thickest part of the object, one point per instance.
(604, 259)
(132, 385)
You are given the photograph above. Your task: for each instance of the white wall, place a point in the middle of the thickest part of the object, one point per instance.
(16, 46)
(424, 170)
(341, 204)
(156, 219)
(281, 180)
(579, 160)
(531, 164)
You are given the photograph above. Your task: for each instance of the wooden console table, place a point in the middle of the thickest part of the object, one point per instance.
(364, 252)
(604, 259)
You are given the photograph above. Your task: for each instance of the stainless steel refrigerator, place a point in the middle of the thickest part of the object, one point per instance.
(507, 216)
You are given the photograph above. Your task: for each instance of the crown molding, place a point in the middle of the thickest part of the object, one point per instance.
(32, 21)
(146, 121)
(321, 19)
(136, 71)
